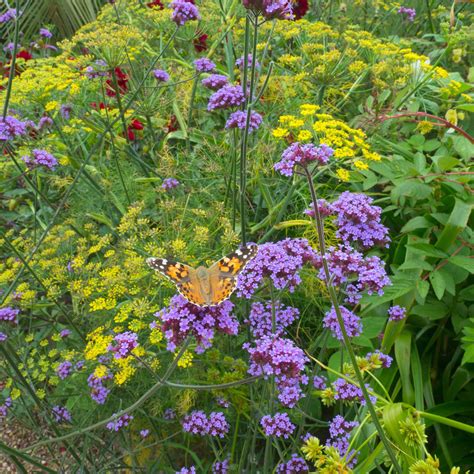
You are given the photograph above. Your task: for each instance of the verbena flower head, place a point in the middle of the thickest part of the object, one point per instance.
(261, 315)
(410, 13)
(358, 221)
(397, 313)
(161, 76)
(61, 414)
(11, 128)
(184, 11)
(278, 425)
(41, 158)
(3, 337)
(99, 393)
(298, 154)
(320, 382)
(273, 355)
(45, 33)
(339, 432)
(271, 9)
(199, 424)
(169, 184)
(5, 407)
(348, 392)
(64, 369)
(121, 422)
(169, 414)
(9, 314)
(187, 470)
(144, 433)
(352, 323)
(218, 425)
(204, 65)
(325, 209)
(183, 318)
(295, 465)
(9, 15)
(379, 359)
(65, 333)
(240, 63)
(45, 122)
(226, 97)
(238, 119)
(220, 467)
(124, 344)
(280, 261)
(215, 81)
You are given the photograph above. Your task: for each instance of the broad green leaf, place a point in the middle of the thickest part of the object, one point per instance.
(423, 287)
(438, 284)
(427, 249)
(464, 262)
(403, 358)
(457, 222)
(418, 222)
(435, 310)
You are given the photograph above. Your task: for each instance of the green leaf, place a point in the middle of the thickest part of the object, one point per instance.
(433, 311)
(457, 222)
(422, 287)
(464, 262)
(418, 222)
(428, 250)
(438, 284)
(403, 358)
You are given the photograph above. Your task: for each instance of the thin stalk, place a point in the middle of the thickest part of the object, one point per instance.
(347, 341)
(190, 111)
(213, 387)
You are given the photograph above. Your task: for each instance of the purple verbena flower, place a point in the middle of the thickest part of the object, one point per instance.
(65, 111)
(278, 425)
(238, 119)
(11, 128)
(61, 414)
(65, 333)
(348, 392)
(99, 393)
(187, 470)
(240, 63)
(64, 369)
(169, 414)
(184, 11)
(226, 97)
(45, 122)
(295, 465)
(144, 433)
(352, 323)
(218, 425)
(196, 423)
(397, 313)
(215, 81)
(271, 9)
(300, 154)
(119, 423)
(169, 184)
(45, 33)
(220, 467)
(9, 15)
(124, 344)
(3, 337)
(204, 65)
(161, 76)
(9, 314)
(324, 207)
(379, 359)
(261, 317)
(5, 407)
(359, 221)
(41, 158)
(320, 382)
(410, 13)
(183, 318)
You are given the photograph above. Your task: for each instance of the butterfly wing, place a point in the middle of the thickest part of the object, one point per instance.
(224, 273)
(183, 276)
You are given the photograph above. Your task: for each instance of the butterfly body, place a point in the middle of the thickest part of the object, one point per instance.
(204, 286)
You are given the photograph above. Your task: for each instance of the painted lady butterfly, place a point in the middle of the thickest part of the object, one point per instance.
(206, 286)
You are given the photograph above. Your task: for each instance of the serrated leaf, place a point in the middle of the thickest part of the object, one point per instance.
(428, 250)
(438, 284)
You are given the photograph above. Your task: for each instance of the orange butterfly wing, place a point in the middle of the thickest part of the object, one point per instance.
(183, 276)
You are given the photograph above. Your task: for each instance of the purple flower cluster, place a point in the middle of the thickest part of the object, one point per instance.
(271, 9)
(238, 119)
(410, 13)
(184, 11)
(99, 393)
(45, 33)
(348, 265)
(3, 337)
(359, 221)
(120, 422)
(226, 97)
(65, 333)
(324, 207)
(352, 323)
(220, 467)
(281, 358)
(9, 15)
(187, 470)
(9, 314)
(379, 358)
(161, 76)
(169, 184)
(278, 425)
(45, 122)
(348, 392)
(397, 313)
(240, 63)
(215, 81)
(339, 432)
(199, 424)
(11, 128)
(169, 414)
(182, 318)
(261, 316)
(61, 414)
(41, 158)
(204, 65)
(5, 407)
(124, 344)
(295, 465)
(320, 382)
(302, 155)
(280, 261)
(64, 369)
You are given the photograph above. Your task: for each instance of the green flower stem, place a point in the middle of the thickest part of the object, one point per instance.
(445, 421)
(129, 409)
(347, 341)
(190, 111)
(215, 386)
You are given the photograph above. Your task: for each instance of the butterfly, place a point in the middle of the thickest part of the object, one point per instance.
(203, 286)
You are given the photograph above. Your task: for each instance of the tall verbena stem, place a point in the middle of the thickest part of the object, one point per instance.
(347, 342)
(251, 22)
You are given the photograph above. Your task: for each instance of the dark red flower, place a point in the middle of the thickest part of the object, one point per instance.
(300, 8)
(135, 124)
(200, 43)
(100, 106)
(155, 4)
(122, 80)
(24, 54)
(172, 124)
